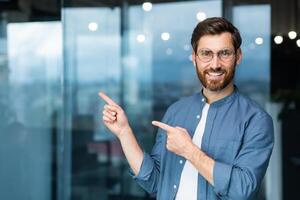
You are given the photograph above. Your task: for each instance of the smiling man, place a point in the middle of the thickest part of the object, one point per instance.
(215, 144)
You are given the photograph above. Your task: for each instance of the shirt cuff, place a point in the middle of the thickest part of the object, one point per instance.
(145, 170)
(221, 174)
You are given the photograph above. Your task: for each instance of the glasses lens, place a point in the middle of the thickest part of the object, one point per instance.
(225, 54)
(205, 55)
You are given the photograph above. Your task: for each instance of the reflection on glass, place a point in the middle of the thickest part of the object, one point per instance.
(253, 74)
(92, 64)
(28, 109)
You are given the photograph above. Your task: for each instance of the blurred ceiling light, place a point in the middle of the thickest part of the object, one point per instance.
(278, 39)
(165, 36)
(147, 6)
(201, 16)
(298, 42)
(186, 47)
(93, 26)
(259, 40)
(140, 38)
(292, 35)
(169, 51)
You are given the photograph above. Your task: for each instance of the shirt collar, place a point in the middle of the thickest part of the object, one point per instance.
(222, 101)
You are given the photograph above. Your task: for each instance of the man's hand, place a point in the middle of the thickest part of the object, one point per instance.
(180, 142)
(178, 139)
(116, 121)
(114, 116)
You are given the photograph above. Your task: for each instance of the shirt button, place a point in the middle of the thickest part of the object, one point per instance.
(202, 99)
(174, 186)
(180, 161)
(198, 116)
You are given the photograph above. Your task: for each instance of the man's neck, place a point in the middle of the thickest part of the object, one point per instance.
(212, 96)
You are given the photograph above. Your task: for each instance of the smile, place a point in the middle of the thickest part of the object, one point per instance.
(215, 73)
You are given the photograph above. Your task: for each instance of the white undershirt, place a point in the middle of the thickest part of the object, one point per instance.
(189, 177)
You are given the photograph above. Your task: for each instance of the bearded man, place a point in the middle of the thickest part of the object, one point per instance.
(215, 144)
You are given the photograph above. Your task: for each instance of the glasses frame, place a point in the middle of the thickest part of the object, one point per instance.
(219, 55)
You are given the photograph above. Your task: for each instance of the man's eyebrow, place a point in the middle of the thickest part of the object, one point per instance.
(204, 49)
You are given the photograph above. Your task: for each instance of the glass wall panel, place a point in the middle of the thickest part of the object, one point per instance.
(253, 74)
(31, 60)
(92, 64)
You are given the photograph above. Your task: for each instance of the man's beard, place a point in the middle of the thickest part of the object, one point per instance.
(216, 85)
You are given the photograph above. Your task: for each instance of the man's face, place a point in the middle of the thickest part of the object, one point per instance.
(215, 61)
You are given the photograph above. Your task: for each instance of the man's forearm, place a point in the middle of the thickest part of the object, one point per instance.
(203, 163)
(132, 150)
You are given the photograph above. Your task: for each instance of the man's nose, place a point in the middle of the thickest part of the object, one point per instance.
(215, 62)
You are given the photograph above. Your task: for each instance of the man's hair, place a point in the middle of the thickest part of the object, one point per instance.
(215, 26)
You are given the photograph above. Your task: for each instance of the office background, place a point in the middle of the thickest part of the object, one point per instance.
(56, 55)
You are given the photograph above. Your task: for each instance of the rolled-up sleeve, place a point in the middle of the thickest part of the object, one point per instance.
(148, 175)
(241, 179)
(222, 174)
(146, 169)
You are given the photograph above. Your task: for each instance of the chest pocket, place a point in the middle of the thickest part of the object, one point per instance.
(225, 150)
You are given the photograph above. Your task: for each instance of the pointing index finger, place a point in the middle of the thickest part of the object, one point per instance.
(163, 126)
(107, 99)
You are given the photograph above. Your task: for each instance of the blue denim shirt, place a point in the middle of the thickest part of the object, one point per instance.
(238, 136)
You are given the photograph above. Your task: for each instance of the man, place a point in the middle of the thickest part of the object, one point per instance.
(215, 144)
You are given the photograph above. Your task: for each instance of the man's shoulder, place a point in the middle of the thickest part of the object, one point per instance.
(251, 106)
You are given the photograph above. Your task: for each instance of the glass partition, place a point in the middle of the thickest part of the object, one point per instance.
(30, 100)
(253, 74)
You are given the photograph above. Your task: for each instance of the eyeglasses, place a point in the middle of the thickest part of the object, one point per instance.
(206, 55)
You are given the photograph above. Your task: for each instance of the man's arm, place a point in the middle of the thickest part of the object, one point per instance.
(239, 180)
(203, 163)
(116, 121)
(242, 179)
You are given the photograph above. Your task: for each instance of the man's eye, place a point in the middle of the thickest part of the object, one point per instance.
(225, 53)
(205, 53)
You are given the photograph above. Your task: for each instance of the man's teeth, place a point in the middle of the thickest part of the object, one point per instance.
(215, 73)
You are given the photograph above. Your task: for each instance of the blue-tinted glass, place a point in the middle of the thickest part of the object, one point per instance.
(253, 74)
(30, 100)
(92, 64)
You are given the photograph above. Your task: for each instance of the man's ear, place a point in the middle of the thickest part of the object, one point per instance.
(239, 56)
(194, 58)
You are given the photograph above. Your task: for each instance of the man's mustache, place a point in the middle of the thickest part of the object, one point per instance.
(217, 70)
